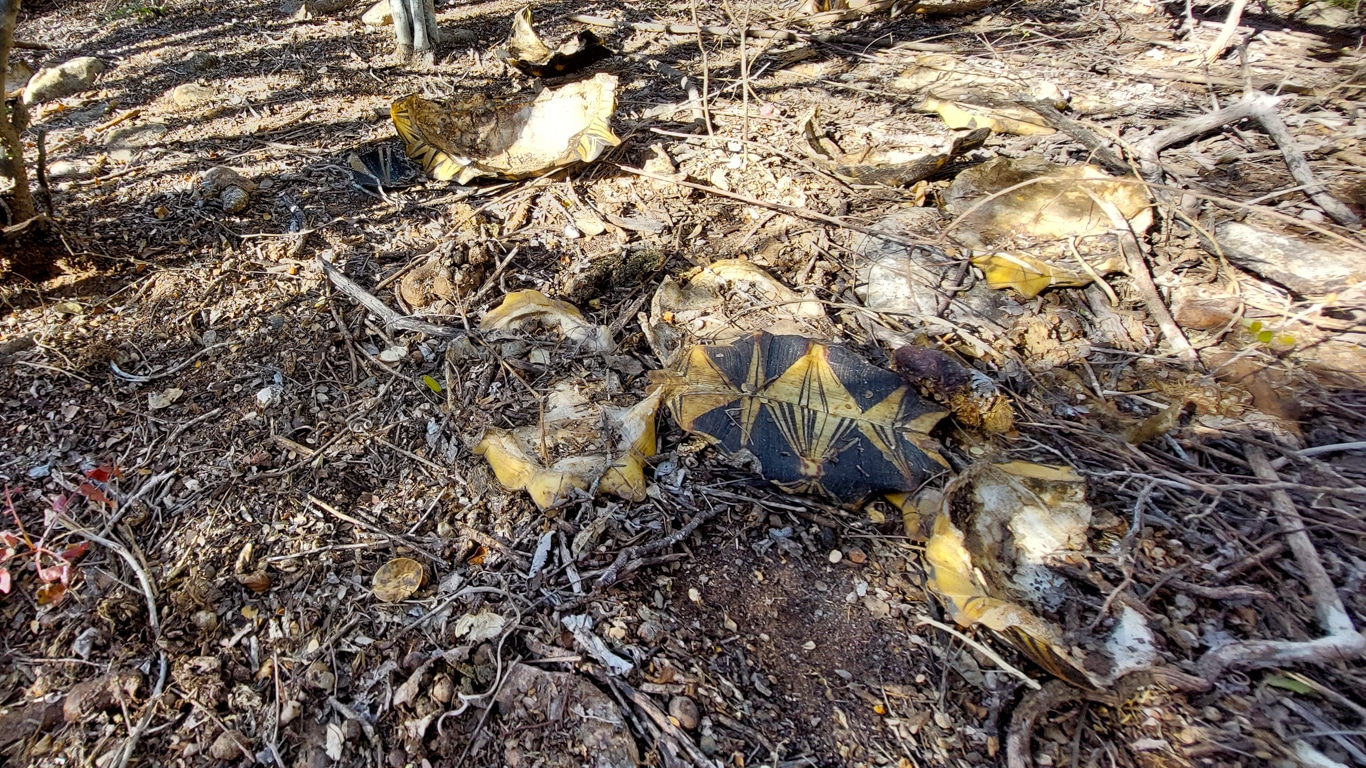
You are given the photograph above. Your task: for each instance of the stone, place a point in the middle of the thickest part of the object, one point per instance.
(230, 745)
(1202, 307)
(1308, 268)
(199, 61)
(63, 168)
(213, 181)
(192, 95)
(684, 710)
(234, 199)
(65, 79)
(134, 136)
(1326, 14)
(379, 15)
(17, 75)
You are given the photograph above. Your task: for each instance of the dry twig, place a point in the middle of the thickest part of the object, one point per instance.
(1342, 640)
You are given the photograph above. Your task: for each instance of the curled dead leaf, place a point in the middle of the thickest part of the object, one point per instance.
(398, 579)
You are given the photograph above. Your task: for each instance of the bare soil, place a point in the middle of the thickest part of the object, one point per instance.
(268, 462)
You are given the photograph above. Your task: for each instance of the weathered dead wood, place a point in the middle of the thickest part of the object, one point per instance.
(760, 32)
(391, 318)
(1220, 44)
(1342, 640)
(1262, 108)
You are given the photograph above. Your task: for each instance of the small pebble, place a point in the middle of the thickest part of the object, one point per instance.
(443, 689)
(289, 712)
(228, 745)
(319, 676)
(836, 555)
(857, 557)
(684, 710)
(235, 199)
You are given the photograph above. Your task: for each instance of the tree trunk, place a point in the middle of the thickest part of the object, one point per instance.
(415, 29)
(12, 154)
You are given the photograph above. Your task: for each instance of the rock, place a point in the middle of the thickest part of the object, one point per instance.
(379, 15)
(213, 181)
(684, 710)
(199, 61)
(192, 95)
(1305, 267)
(235, 199)
(65, 79)
(17, 75)
(230, 745)
(1202, 307)
(97, 695)
(319, 676)
(1326, 14)
(65, 168)
(133, 136)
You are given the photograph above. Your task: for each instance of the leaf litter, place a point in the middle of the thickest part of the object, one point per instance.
(1181, 360)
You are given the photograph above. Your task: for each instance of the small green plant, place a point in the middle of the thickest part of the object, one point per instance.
(1276, 342)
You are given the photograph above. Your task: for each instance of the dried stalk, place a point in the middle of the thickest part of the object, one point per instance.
(391, 318)
(1262, 108)
(1342, 640)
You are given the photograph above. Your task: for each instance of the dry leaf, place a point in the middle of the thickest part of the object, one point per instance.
(478, 627)
(398, 579)
(163, 399)
(513, 137)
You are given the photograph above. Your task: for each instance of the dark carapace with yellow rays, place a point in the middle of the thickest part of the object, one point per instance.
(817, 418)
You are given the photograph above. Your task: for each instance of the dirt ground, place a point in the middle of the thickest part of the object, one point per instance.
(241, 446)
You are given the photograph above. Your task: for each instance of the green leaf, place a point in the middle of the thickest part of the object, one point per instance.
(1265, 337)
(432, 384)
(1254, 326)
(1289, 683)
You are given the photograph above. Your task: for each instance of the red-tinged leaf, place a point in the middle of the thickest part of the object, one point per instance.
(60, 502)
(93, 493)
(72, 554)
(102, 473)
(56, 573)
(52, 593)
(4, 581)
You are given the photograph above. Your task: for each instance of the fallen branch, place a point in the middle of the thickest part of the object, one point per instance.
(1220, 44)
(1137, 267)
(391, 318)
(1342, 641)
(980, 648)
(626, 556)
(785, 35)
(673, 733)
(1262, 108)
(153, 620)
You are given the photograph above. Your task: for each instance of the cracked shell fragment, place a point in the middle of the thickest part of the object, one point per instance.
(511, 137)
(816, 417)
(529, 54)
(577, 444)
(998, 530)
(529, 308)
